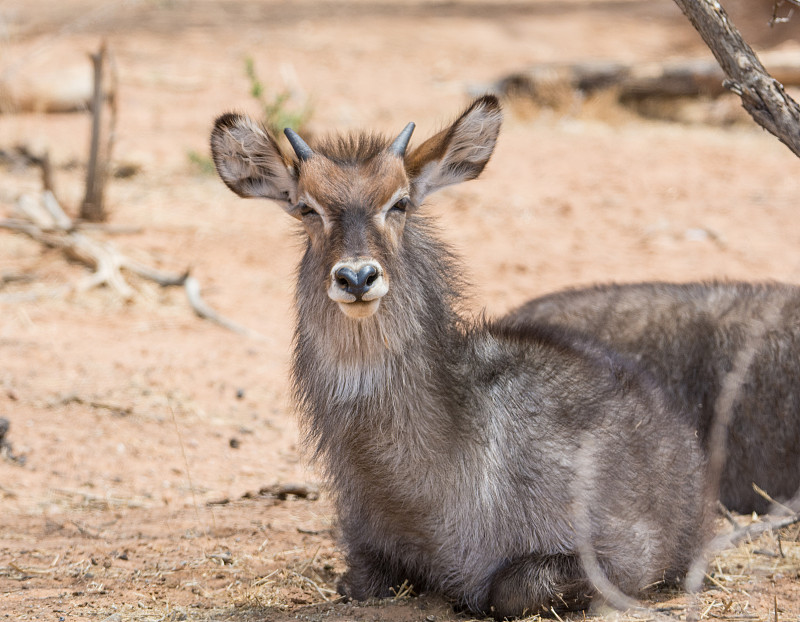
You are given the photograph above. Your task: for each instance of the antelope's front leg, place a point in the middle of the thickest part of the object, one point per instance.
(537, 583)
(370, 574)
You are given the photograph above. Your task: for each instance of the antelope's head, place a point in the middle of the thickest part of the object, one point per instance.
(354, 194)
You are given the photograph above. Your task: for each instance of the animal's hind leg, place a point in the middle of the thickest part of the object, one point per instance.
(537, 583)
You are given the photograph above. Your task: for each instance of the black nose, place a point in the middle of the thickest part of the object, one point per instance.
(356, 283)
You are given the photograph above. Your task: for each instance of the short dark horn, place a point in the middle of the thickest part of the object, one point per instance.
(398, 147)
(300, 147)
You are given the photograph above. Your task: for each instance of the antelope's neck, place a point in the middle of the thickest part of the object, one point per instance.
(378, 378)
(359, 362)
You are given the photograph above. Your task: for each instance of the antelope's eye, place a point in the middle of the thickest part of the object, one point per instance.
(401, 206)
(305, 210)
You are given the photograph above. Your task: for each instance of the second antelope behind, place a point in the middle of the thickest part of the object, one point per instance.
(475, 459)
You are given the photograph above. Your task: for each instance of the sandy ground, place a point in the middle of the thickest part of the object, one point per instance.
(149, 438)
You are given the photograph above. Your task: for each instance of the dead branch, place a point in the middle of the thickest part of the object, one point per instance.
(74, 398)
(108, 229)
(27, 157)
(53, 208)
(164, 279)
(554, 85)
(93, 207)
(202, 309)
(727, 514)
(728, 540)
(782, 20)
(45, 221)
(762, 96)
(284, 491)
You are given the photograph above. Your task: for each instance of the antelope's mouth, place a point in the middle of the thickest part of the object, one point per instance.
(361, 309)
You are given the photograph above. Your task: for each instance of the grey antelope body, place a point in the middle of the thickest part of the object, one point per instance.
(688, 337)
(469, 458)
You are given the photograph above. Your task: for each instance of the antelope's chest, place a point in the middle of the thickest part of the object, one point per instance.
(401, 461)
(423, 491)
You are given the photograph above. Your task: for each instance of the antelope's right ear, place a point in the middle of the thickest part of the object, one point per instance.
(457, 153)
(250, 162)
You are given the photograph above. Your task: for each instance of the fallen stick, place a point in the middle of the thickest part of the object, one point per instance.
(724, 541)
(46, 222)
(202, 309)
(693, 77)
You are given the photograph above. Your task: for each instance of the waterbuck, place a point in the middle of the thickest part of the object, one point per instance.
(689, 336)
(467, 457)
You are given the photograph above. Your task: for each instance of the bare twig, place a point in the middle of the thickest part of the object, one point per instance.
(74, 398)
(28, 157)
(53, 208)
(762, 96)
(34, 211)
(202, 309)
(717, 583)
(47, 229)
(14, 278)
(48, 182)
(727, 514)
(315, 586)
(403, 590)
(776, 5)
(165, 279)
(776, 504)
(728, 540)
(30, 571)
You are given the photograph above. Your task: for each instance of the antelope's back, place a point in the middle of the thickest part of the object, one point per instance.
(688, 336)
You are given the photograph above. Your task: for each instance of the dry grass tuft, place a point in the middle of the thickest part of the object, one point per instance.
(297, 580)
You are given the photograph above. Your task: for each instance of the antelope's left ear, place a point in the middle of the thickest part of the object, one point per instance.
(457, 153)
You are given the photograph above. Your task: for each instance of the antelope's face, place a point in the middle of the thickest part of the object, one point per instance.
(354, 194)
(354, 215)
